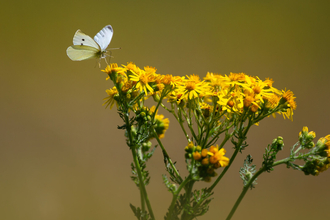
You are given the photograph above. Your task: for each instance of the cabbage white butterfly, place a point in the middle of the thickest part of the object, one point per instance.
(84, 47)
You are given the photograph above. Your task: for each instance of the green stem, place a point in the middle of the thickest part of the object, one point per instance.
(185, 215)
(175, 197)
(143, 190)
(188, 122)
(165, 152)
(224, 171)
(246, 187)
(179, 119)
(143, 204)
(237, 148)
(216, 137)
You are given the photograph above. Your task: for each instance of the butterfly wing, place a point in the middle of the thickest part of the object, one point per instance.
(104, 37)
(82, 39)
(82, 52)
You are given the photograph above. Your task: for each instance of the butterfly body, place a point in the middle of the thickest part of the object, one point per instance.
(84, 47)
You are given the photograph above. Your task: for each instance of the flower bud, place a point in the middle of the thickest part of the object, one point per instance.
(207, 179)
(197, 155)
(205, 161)
(254, 108)
(210, 170)
(248, 101)
(204, 152)
(156, 97)
(191, 145)
(230, 103)
(146, 146)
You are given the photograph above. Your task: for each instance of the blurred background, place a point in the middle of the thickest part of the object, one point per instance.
(61, 154)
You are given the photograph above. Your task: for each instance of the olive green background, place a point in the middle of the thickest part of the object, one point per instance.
(61, 154)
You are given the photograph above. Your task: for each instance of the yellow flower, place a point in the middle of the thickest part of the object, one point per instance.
(193, 88)
(248, 99)
(113, 67)
(222, 160)
(143, 79)
(131, 67)
(215, 157)
(288, 96)
(237, 76)
(107, 70)
(231, 101)
(161, 124)
(150, 69)
(172, 80)
(272, 101)
(110, 99)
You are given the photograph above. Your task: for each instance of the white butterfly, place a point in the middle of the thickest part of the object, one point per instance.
(84, 47)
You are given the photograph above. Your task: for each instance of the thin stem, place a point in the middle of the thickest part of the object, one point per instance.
(188, 122)
(245, 188)
(215, 138)
(166, 154)
(237, 148)
(179, 119)
(299, 148)
(224, 171)
(163, 94)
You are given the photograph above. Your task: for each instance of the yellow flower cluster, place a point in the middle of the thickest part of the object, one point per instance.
(233, 93)
(319, 161)
(207, 160)
(324, 143)
(213, 156)
(161, 123)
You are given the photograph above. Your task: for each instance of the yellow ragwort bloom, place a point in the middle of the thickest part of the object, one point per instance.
(288, 96)
(143, 79)
(192, 88)
(110, 101)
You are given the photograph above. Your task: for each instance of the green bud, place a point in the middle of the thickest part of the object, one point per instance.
(248, 175)
(146, 146)
(120, 85)
(156, 98)
(278, 143)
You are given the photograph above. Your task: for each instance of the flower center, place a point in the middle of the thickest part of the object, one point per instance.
(143, 79)
(190, 86)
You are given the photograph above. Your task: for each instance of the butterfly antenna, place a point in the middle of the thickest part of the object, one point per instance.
(118, 48)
